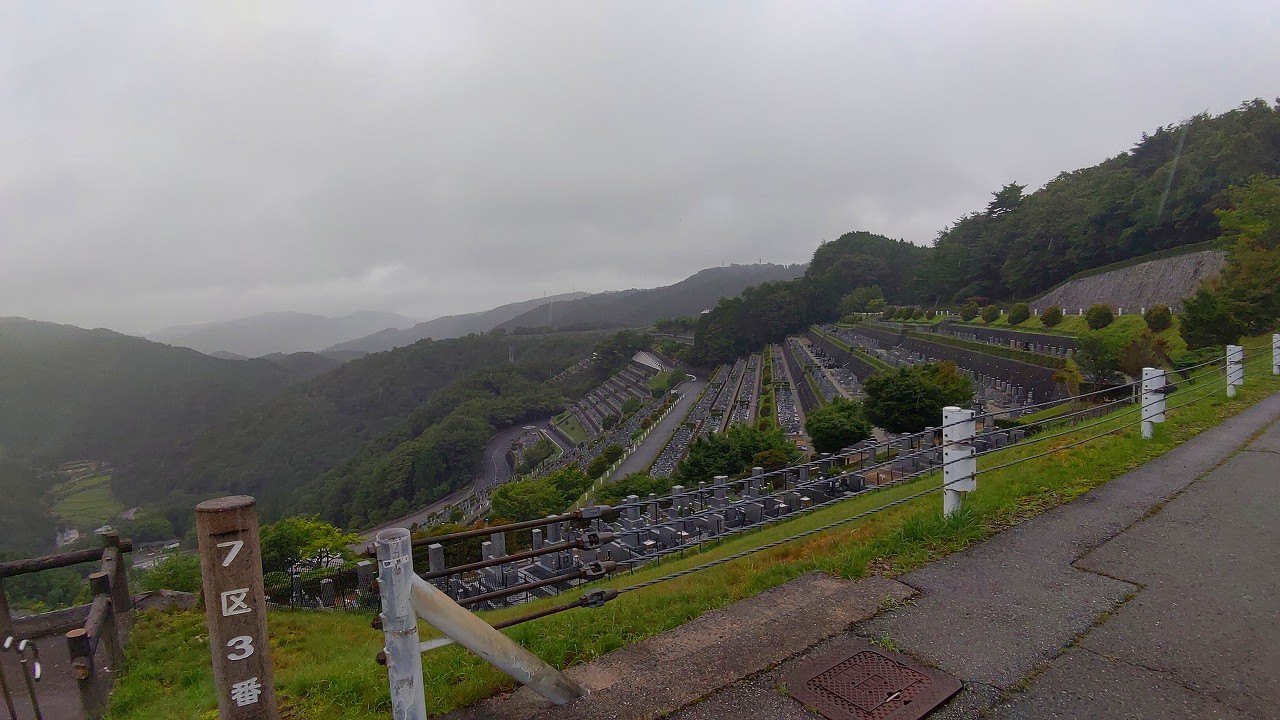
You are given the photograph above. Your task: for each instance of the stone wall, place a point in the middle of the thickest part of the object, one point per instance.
(1158, 282)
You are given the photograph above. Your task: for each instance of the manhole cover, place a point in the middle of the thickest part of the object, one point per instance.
(868, 683)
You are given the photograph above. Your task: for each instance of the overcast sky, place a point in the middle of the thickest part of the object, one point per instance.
(183, 162)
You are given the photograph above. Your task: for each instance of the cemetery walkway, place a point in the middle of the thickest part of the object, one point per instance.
(651, 447)
(1153, 596)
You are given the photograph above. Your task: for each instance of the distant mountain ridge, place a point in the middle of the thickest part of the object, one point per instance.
(634, 308)
(278, 332)
(449, 326)
(70, 393)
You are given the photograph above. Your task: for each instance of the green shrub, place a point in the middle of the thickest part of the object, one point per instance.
(969, 311)
(1099, 316)
(990, 313)
(1051, 316)
(889, 313)
(928, 314)
(1158, 318)
(1020, 313)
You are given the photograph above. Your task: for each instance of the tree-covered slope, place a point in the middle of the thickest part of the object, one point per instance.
(1162, 193)
(769, 312)
(277, 448)
(68, 393)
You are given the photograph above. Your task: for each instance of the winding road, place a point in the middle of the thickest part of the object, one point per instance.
(493, 471)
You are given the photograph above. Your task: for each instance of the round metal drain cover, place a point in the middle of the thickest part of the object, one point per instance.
(868, 683)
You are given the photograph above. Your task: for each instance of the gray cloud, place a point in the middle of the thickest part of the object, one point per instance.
(186, 162)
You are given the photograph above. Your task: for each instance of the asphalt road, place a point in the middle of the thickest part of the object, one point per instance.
(493, 470)
(651, 447)
(1153, 596)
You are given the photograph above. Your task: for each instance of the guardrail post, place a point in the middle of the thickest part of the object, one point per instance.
(959, 463)
(403, 650)
(1275, 356)
(235, 608)
(1153, 402)
(1235, 369)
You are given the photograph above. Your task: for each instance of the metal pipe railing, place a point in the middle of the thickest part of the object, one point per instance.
(585, 513)
(407, 597)
(590, 539)
(590, 571)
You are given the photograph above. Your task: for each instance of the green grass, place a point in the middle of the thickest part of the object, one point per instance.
(568, 423)
(325, 662)
(1125, 327)
(1032, 358)
(872, 360)
(85, 503)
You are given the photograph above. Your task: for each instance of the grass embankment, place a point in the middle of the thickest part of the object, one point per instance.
(1031, 358)
(325, 662)
(1124, 328)
(875, 362)
(766, 407)
(86, 502)
(569, 425)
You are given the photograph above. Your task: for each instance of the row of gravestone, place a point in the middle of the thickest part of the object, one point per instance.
(650, 528)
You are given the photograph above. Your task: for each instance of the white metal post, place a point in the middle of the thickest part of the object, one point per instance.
(1153, 403)
(1275, 354)
(400, 625)
(468, 630)
(1235, 369)
(958, 461)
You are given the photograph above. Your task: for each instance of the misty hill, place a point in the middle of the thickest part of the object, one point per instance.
(282, 332)
(69, 393)
(278, 450)
(449, 326)
(637, 308)
(304, 365)
(66, 392)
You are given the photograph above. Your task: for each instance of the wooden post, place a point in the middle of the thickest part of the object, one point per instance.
(93, 690)
(6, 623)
(235, 608)
(102, 624)
(120, 597)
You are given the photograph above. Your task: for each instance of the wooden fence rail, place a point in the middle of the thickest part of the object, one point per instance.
(98, 632)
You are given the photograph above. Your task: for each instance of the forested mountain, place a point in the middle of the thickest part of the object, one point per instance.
(636, 308)
(278, 332)
(435, 449)
(449, 326)
(66, 392)
(26, 526)
(768, 312)
(277, 449)
(1160, 194)
(304, 365)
